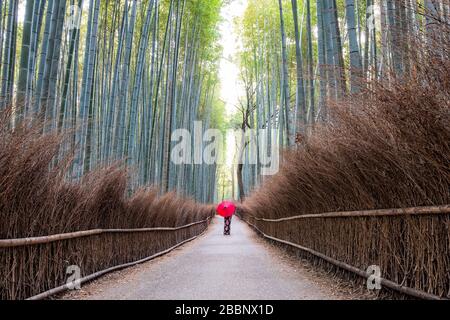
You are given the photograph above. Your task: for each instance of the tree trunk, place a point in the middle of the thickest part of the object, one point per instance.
(286, 91)
(31, 6)
(355, 55)
(301, 101)
(310, 64)
(321, 61)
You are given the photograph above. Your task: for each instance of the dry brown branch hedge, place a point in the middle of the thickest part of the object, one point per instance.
(36, 200)
(387, 147)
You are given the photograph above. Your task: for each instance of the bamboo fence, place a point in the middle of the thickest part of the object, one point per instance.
(35, 267)
(410, 245)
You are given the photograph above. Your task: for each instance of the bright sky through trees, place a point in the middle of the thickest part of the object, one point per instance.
(231, 85)
(229, 70)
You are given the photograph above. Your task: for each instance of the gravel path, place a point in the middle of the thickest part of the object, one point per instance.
(239, 267)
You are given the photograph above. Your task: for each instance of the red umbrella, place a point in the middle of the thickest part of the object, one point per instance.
(226, 209)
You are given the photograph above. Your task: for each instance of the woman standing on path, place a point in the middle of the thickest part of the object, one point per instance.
(226, 209)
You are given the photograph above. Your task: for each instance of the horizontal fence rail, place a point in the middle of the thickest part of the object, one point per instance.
(10, 243)
(367, 213)
(402, 212)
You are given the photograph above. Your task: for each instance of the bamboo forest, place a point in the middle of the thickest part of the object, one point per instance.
(323, 125)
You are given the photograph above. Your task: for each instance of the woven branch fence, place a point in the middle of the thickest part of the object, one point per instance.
(410, 246)
(31, 266)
